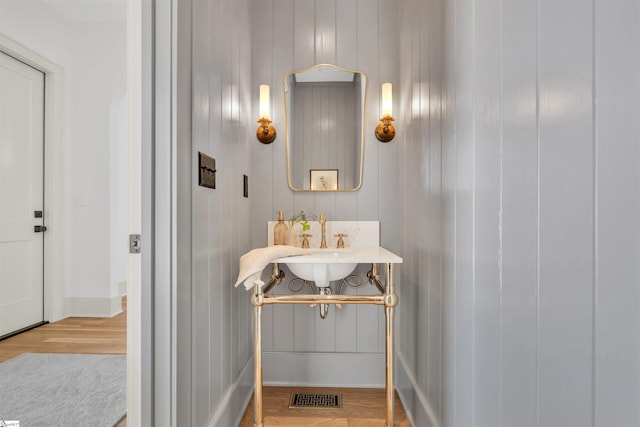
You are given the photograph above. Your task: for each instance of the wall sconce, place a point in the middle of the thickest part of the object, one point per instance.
(266, 133)
(385, 130)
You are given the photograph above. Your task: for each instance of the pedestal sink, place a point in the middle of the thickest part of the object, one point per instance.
(327, 265)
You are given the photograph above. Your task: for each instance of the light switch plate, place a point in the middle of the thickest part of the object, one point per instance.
(206, 171)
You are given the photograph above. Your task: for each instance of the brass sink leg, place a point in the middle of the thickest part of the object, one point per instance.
(390, 302)
(257, 300)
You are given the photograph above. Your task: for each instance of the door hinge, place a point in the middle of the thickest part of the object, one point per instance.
(134, 243)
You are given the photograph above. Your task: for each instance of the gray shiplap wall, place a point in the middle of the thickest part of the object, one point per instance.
(214, 377)
(291, 35)
(423, 195)
(529, 143)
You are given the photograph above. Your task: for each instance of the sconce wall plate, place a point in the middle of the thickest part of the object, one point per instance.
(266, 133)
(385, 131)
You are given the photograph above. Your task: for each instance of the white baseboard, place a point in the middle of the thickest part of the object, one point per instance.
(122, 287)
(323, 369)
(415, 403)
(92, 307)
(235, 400)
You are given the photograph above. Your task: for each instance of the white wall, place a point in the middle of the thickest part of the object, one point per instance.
(291, 35)
(214, 116)
(533, 291)
(89, 44)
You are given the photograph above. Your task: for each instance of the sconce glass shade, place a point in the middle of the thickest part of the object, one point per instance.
(264, 101)
(387, 99)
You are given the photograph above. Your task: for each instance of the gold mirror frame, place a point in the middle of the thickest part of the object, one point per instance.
(362, 128)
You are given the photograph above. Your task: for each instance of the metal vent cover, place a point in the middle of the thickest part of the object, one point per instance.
(315, 400)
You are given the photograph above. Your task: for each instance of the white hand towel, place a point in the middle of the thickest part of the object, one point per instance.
(253, 262)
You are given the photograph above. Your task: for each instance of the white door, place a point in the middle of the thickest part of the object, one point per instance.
(21, 195)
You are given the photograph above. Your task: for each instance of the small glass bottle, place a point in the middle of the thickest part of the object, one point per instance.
(280, 231)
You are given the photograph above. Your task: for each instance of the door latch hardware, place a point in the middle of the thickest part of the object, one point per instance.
(39, 228)
(134, 243)
(37, 214)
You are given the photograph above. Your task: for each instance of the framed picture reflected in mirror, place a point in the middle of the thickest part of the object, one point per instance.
(324, 179)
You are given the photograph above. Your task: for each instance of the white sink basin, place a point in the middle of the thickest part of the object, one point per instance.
(324, 272)
(325, 265)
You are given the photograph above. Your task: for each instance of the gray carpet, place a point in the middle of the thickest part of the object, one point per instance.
(70, 390)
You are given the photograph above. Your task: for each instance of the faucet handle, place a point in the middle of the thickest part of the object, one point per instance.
(305, 240)
(340, 241)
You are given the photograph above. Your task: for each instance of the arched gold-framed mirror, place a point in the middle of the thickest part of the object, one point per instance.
(325, 110)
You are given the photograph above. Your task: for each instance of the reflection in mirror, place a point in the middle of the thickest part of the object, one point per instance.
(324, 119)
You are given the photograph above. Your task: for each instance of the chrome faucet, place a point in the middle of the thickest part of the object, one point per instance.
(323, 223)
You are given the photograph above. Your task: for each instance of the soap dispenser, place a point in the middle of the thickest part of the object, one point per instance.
(280, 230)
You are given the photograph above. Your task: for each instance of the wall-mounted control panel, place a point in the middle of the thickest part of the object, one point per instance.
(206, 171)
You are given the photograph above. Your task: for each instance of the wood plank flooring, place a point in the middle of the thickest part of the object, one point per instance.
(361, 407)
(85, 335)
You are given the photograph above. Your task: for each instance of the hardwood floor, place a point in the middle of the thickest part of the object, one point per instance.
(360, 407)
(88, 335)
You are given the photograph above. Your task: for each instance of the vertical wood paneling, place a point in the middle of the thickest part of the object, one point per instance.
(464, 296)
(433, 112)
(219, 256)
(415, 294)
(487, 182)
(617, 333)
(565, 354)
(325, 32)
(205, 381)
(422, 176)
(239, 350)
(419, 181)
(519, 215)
(566, 217)
(304, 34)
(405, 316)
(449, 173)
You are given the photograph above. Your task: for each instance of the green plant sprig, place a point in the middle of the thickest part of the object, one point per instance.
(301, 219)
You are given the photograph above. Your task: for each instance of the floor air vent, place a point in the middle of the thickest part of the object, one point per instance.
(315, 400)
